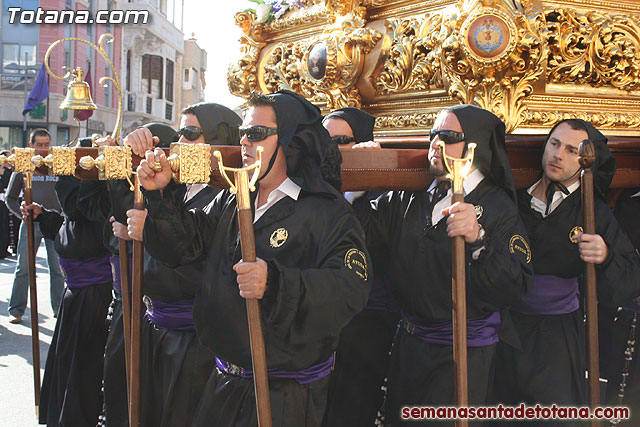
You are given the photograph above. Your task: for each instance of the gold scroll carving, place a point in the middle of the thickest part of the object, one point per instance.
(403, 60)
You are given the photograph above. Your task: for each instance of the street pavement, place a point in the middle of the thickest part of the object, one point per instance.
(17, 406)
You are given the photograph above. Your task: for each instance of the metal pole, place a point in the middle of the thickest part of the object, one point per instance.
(49, 91)
(24, 116)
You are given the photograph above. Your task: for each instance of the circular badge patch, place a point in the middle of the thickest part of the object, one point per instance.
(519, 244)
(278, 237)
(573, 234)
(488, 36)
(356, 261)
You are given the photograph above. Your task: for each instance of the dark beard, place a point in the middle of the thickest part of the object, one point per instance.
(435, 171)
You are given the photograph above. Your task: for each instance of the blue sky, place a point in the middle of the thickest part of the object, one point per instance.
(215, 30)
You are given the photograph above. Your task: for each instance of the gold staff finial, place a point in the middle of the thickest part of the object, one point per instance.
(251, 185)
(459, 168)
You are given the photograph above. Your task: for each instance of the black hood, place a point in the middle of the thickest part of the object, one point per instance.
(219, 123)
(488, 132)
(360, 122)
(605, 165)
(164, 132)
(85, 142)
(304, 140)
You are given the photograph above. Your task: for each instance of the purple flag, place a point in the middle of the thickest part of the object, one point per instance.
(85, 114)
(39, 92)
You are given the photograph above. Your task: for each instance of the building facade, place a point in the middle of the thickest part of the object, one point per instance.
(148, 58)
(152, 62)
(193, 73)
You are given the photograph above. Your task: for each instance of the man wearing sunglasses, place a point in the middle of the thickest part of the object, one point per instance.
(362, 359)
(414, 229)
(311, 276)
(175, 365)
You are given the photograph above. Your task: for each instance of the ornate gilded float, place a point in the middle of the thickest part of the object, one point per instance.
(530, 62)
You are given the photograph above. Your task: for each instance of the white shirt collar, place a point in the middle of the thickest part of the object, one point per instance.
(558, 197)
(636, 195)
(470, 183)
(287, 188)
(192, 190)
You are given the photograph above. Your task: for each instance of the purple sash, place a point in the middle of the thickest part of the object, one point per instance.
(170, 315)
(115, 270)
(306, 376)
(633, 306)
(550, 295)
(80, 273)
(480, 332)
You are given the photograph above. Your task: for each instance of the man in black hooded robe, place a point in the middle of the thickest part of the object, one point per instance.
(311, 274)
(549, 366)
(414, 230)
(620, 347)
(175, 366)
(107, 203)
(71, 394)
(362, 358)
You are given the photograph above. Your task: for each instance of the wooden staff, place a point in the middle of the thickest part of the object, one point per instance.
(458, 170)
(35, 332)
(459, 297)
(126, 308)
(587, 159)
(242, 189)
(136, 318)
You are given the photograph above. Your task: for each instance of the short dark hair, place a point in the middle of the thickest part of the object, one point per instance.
(189, 110)
(38, 132)
(259, 99)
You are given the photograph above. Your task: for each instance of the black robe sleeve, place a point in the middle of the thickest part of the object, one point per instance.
(174, 235)
(618, 277)
(93, 200)
(377, 218)
(50, 222)
(68, 190)
(502, 274)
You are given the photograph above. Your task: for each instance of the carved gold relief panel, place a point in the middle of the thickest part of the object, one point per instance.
(502, 55)
(323, 68)
(593, 48)
(410, 56)
(493, 55)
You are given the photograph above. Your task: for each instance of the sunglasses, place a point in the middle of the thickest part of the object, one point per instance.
(447, 136)
(191, 133)
(256, 133)
(343, 139)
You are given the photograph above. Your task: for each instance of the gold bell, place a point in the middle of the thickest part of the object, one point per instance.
(78, 93)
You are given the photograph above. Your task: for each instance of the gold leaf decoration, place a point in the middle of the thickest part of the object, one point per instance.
(287, 64)
(617, 120)
(498, 83)
(315, 12)
(242, 75)
(410, 56)
(417, 120)
(593, 48)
